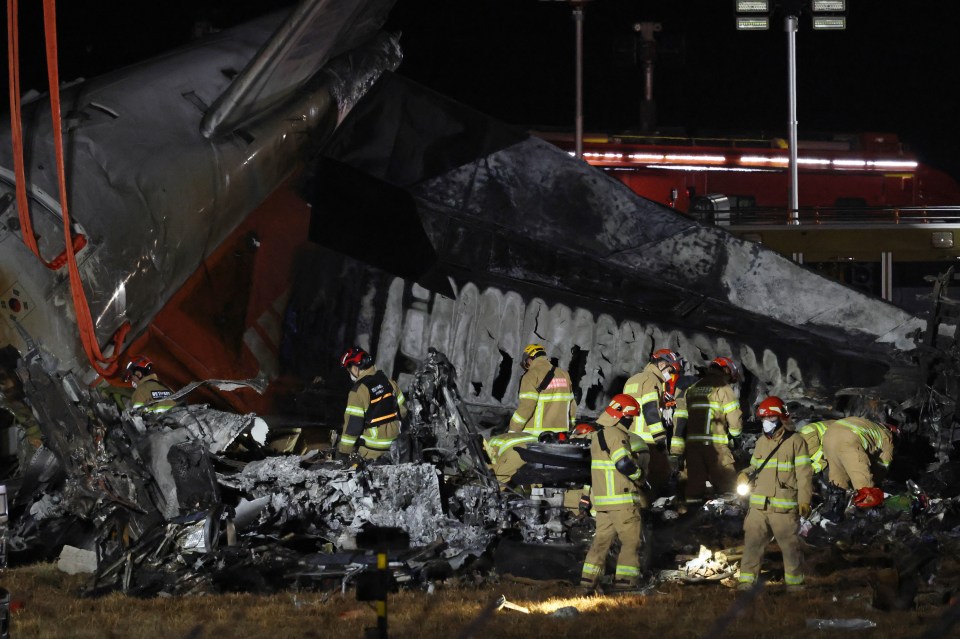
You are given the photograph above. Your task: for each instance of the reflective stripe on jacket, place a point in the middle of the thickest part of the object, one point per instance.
(554, 409)
(875, 439)
(375, 406)
(609, 488)
(813, 435)
(787, 479)
(713, 414)
(149, 389)
(647, 388)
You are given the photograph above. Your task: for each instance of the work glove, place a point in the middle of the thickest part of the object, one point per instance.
(743, 478)
(584, 505)
(660, 444)
(804, 510)
(736, 443)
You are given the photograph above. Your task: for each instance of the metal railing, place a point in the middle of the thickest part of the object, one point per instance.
(831, 216)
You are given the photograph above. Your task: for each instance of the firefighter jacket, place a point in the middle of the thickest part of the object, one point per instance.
(149, 389)
(712, 414)
(375, 407)
(546, 400)
(875, 439)
(647, 388)
(611, 489)
(812, 434)
(786, 480)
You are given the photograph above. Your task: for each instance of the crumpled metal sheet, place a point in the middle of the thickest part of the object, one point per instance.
(337, 503)
(152, 196)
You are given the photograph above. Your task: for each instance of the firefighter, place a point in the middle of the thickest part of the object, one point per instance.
(857, 452)
(14, 412)
(546, 402)
(780, 484)
(706, 427)
(812, 433)
(648, 388)
(148, 391)
(546, 407)
(375, 406)
(618, 463)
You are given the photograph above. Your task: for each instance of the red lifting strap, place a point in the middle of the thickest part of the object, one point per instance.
(105, 366)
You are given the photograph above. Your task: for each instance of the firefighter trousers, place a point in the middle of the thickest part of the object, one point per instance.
(847, 461)
(625, 524)
(709, 462)
(757, 528)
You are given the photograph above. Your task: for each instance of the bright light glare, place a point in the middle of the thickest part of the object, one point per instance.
(743, 489)
(762, 159)
(695, 158)
(829, 6)
(752, 24)
(829, 23)
(752, 6)
(856, 163)
(583, 604)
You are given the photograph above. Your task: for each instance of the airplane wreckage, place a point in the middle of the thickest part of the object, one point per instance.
(287, 194)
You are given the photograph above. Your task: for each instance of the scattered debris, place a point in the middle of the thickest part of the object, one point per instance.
(503, 604)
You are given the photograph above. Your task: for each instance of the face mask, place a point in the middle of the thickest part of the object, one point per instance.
(770, 426)
(667, 374)
(353, 377)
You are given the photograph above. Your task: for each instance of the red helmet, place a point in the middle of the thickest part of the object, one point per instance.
(670, 357)
(138, 363)
(725, 363)
(623, 405)
(772, 406)
(868, 497)
(584, 428)
(356, 356)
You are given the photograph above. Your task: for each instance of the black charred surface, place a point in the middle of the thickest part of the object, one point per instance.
(513, 212)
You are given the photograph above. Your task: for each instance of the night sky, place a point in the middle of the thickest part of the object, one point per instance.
(893, 70)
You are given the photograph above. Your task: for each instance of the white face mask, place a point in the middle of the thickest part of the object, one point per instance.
(353, 377)
(770, 426)
(667, 374)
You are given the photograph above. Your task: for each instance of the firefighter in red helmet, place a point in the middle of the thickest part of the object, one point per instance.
(618, 464)
(149, 393)
(647, 387)
(780, 485)
(375, 406)
(711, 424)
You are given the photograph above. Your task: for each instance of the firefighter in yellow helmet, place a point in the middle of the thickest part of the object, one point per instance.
(149, 392)
(711, 422)
(618, 462)
(647, 387)
(375, 406)
(780, 485)
(546, 402)
(546, 405)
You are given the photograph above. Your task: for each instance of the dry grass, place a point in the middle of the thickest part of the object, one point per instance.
(52, 609)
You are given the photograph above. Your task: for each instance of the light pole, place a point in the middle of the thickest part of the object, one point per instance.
(577, 7)
(754, 15)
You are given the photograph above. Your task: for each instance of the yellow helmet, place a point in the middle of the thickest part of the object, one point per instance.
(534, 350)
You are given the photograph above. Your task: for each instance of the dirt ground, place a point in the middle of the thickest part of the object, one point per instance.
(46, 604)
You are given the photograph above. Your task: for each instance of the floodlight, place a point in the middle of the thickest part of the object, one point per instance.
(829, 6)
(752, 6)
(752, 24)
(829, 23)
